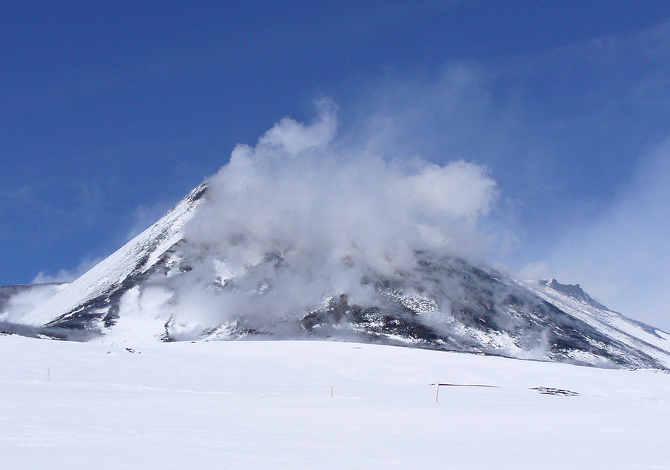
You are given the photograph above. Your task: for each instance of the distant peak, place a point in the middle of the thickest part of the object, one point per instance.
(571, 288)
(574, 291)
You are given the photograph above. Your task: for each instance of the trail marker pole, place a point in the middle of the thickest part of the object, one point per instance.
(331, 392)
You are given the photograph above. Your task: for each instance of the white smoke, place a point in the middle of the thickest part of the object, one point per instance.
(24, 301)
(306, 214)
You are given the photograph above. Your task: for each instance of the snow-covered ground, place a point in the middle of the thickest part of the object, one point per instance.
(265, 404)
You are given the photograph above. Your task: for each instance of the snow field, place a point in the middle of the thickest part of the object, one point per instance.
(263, 404)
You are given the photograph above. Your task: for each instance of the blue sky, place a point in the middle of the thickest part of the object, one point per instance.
(111, 111)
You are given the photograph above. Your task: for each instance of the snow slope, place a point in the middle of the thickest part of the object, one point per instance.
(574, 301)
(119, 271)
(267, 404)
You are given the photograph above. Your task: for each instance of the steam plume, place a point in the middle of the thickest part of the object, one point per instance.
(303, 215)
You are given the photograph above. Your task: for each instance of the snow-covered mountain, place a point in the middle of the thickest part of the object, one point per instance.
(95, 295)
(162, 286)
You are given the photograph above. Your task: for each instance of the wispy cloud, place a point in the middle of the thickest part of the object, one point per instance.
(623, 256)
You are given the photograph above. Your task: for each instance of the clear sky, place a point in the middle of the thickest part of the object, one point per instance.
(110, 112)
